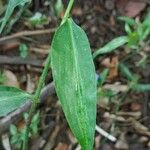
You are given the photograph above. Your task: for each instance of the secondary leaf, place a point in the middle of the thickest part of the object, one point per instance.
(111, 46)
(125, 71)
(141, 87)
(127, 20)
(75, 82)
(11, 98)
(10, 8)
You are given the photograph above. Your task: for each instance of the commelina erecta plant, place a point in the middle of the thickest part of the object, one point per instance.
(73, 72)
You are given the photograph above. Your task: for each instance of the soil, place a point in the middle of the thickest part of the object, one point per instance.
(124, 115)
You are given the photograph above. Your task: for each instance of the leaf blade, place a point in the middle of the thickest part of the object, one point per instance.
(111, 46)
(10, 8)
(11, 98)
(77, 90)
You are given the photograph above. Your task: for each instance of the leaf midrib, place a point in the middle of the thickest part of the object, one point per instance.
(78, 82)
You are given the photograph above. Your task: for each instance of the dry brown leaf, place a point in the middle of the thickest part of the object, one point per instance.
(140, 128)
(106, 62)
(113, 70)
(77, 11)
(61, 146)
(10, 79)
(130, 8)
(136, 106)
(112, 65)
(122, 143)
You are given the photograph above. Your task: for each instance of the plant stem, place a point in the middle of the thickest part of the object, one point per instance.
(40, 85)
(36, 101)
(67, 13)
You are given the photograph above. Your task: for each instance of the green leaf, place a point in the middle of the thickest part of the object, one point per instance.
(13, 129)
(146, 21)
(2, 77)
(11, 98)
(74, 76)
(128, 29)
(34, 123)
(59, 8)
(38, 19)
(103, 76)
(111, 46)
(133, 39)
(10, 8)
(141, 87)
(23, 48)
(127, 20)
(125, 71)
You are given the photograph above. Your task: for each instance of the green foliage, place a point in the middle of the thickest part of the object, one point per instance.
(38, 19)
(133, 80)
(128, 20)
(136, 33)
(18, 136)
(59, 8)
(2, 77)
(34, 124)
(15, 136)
(105, 93)
(12, 4)
(141, 87)
(11, 98)
(111, 46)
(23, 48)
(125, 71)
(74, 77)
(103, 77)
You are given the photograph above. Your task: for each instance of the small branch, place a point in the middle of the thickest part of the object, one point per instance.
(26, 33)
(36, 100)
(20, 61)
(105, 134)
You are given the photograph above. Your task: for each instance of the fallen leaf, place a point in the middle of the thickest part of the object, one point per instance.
(106, 62)
(10, 79)
(112, 65)
(116, 87)
(77, 11)
(130, 8)
(136, 106)
(122, 143)
(113, 69)
(61, 146)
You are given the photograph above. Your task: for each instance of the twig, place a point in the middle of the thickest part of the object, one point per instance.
(20, 61)
(26, 33)
(15, 116)
(105, 134)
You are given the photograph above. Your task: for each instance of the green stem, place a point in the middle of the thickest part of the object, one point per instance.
(40, 85)
(36, 101)
(67, 13)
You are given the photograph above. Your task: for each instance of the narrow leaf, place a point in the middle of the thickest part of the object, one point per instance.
(104, 75)
(125, 71)
(10, 8)
(141, 87)
(111, 46)
(11, 98)
(75, 82)
(127, 20)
